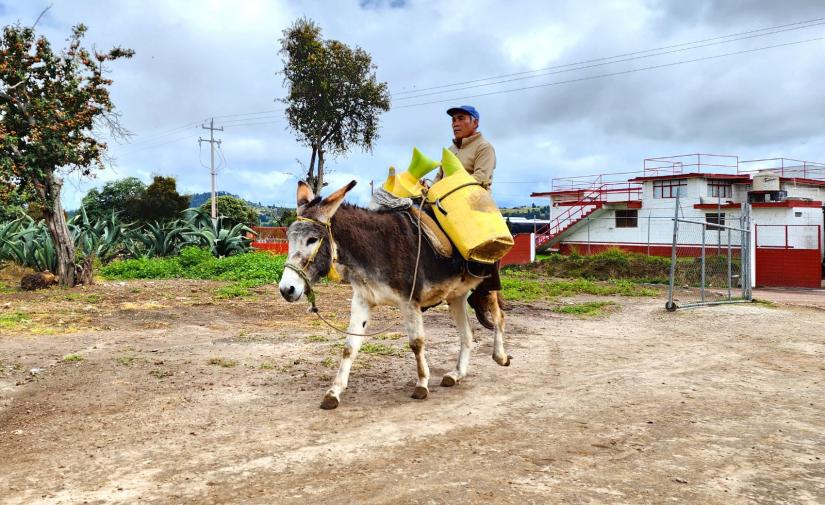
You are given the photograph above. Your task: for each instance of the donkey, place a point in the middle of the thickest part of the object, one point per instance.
(376, 252)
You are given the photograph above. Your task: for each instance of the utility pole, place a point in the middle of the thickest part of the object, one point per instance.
(214, 173)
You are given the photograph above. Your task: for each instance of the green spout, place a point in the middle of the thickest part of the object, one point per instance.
(420, 165)
(450, 163)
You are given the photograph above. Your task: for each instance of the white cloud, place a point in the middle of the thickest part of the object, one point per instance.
(195, 60)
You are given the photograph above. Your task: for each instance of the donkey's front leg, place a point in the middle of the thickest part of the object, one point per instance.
(415, 331)
(358, 320)
(458, 309)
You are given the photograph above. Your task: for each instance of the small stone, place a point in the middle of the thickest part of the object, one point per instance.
(35, 371)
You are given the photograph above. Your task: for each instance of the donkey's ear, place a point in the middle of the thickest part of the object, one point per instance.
(305, 194)
(331, 203)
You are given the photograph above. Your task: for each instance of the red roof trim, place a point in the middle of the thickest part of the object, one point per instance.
(693, 175)
(800, 180)
(712, 206)
(788, 204)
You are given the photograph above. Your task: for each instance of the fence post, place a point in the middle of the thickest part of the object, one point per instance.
(670, 305)
(649, 213)
(702, 286)
(730, 273)
(588, 235)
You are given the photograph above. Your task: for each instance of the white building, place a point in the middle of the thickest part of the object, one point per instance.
(592, 213)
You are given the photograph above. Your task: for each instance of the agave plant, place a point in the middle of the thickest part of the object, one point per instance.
(158, 239)
(27, 243)
(105, 238)
(220, 238)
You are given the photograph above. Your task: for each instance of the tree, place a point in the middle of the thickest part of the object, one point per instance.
(333, 98)
(121, 195)
(235, 209)
(50, 105)
(161, 201)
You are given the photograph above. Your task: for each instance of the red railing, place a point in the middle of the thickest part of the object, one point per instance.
(690, 163)
(785, 167)
(588, 201)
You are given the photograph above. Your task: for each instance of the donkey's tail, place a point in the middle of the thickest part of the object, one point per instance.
(481, 301)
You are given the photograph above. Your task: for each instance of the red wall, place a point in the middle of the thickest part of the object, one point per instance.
(278, 247)
(520, 253)
(788, 267)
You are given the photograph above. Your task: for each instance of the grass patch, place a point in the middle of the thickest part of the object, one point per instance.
(328, 362)
(126, 360)
(223, 362)
(249, 270)
(393, 335)
(316, 338)
(13, 320)
(266, 365)
(380, 349)
(72, 358)
(5, 288)
(236, 290)
(160, 374)
(586, 309)
(526, 286)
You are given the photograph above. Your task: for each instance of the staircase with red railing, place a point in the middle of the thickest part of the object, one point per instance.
(590, 200)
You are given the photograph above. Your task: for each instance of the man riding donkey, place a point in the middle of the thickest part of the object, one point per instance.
(381, 254)
(477, 155)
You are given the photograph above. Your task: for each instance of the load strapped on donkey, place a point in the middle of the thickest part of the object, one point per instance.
(464, 209)
(380, 254)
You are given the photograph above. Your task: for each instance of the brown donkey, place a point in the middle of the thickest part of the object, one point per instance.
(375, 251)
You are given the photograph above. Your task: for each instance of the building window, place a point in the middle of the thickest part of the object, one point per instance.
(712, 219)
(627, 218)
(719, 189)
(669, 188)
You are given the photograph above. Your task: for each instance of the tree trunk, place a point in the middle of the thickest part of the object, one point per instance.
(319, 179)
(311, 172)
(59, 231)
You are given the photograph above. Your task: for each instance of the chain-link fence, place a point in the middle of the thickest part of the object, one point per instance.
(710, 258)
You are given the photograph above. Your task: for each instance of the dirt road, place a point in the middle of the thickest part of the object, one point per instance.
(175, 397)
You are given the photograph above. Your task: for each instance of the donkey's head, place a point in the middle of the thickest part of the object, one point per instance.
(311, 246)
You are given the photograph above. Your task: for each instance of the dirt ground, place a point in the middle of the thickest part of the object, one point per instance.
(175, 396)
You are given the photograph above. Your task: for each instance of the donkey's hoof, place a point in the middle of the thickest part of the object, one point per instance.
(330, 401)
(502, 360)
(420, 392)
(448, 381)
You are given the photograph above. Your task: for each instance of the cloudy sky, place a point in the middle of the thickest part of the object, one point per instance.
(550, 115)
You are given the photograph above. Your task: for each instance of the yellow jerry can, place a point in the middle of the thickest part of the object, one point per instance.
(468, 213)
(406, 185)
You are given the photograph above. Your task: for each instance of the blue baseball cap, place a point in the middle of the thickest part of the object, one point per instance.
(468, 109)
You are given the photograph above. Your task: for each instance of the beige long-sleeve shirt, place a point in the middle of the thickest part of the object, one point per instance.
(478, 157)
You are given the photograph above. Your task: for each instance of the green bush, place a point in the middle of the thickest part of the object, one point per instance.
(252, 269)
(143, 268)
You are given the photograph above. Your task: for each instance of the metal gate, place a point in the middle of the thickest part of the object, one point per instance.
(710, 260)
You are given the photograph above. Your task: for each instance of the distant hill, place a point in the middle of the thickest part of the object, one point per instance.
(199, 198)
(267, 213)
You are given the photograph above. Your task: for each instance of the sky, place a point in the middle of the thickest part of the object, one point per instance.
(568, 103)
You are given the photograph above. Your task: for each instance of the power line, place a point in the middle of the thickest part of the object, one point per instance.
(605, 58)
(412, 97)
(612, 74)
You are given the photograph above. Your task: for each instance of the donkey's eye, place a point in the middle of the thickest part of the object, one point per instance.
(311, 241)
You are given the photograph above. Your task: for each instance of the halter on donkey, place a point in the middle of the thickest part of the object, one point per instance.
(376, 252)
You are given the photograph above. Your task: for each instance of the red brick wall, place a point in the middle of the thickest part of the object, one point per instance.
(788, 267)
(520, 253)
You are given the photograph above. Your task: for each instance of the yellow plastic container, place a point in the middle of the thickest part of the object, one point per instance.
(406, 184)
(468, 214)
